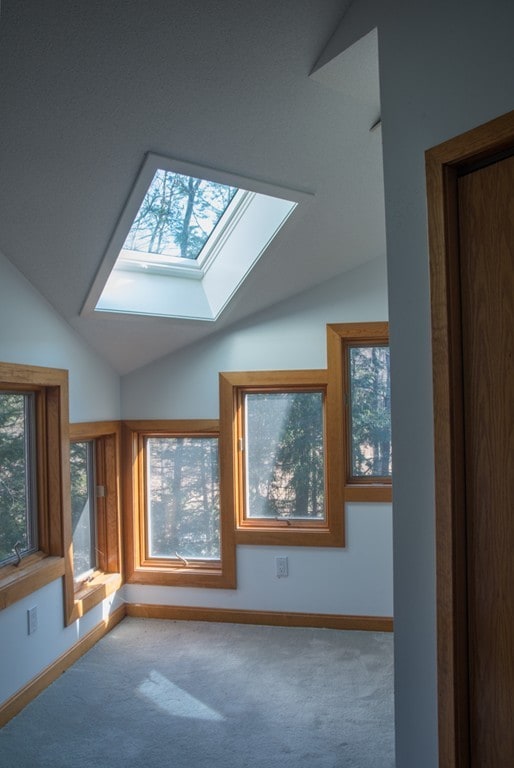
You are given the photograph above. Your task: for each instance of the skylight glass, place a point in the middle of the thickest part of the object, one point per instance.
(177, 216)
(187, 238)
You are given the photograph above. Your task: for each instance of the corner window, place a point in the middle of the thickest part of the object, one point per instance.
(95, 568)
(83, 518)
(177, 533)
(275, 449)
(359, 408)
(33, 478)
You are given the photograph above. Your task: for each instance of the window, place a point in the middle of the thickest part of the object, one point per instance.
(359, 409)
(83, 518)
(33, 478)
(95, 569)
(275, 450)
(178, 533)
(18, 498)
(187, 239)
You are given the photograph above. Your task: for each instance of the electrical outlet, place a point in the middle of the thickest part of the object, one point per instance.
(32, 620)
(281, 567)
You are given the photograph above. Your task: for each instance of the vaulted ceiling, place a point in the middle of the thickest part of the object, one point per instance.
(88, 88)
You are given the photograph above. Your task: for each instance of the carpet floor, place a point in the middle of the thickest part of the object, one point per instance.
(173, 694)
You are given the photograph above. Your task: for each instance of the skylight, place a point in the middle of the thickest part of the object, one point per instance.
(186, 240)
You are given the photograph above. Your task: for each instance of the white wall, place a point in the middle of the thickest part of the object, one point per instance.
(33, 334)
(445, 67)
(356, 580)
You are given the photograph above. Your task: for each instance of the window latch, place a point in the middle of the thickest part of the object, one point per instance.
(16, 549)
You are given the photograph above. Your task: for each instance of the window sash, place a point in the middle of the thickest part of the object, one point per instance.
(369, 413)
(289, 482)
(84, 525)
(181, 495)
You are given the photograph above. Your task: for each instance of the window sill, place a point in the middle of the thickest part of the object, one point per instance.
(184, 577)
(34, 572)
(287, 536)
(369, 493)
(91, 593)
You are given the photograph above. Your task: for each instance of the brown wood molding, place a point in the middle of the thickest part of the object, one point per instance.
(271, 618)
(33, 688)
(444, 163)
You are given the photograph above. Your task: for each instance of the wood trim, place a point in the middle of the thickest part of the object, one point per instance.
(318, 533)
(271, 618)
(92, 593)
(369, 493)
(88, 430)
(174, 426)
(33, 573)
(32, 689)
(443, 164)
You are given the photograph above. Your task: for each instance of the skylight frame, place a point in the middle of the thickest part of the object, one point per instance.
(192, 291)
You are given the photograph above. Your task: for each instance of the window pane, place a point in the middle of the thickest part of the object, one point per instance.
(178, 214)
(370, 412)
(183, 512)
(284, 455)
(82, 507)
(17, 498)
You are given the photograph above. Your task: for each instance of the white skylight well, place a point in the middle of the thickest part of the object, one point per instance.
(186, 240)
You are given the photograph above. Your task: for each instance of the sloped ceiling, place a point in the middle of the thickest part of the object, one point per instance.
(87, 88)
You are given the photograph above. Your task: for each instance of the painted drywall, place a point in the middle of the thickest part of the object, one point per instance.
(33, 334)
(445, 67)
(356, 580)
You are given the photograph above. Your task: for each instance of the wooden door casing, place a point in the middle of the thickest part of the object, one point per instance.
(465, 549)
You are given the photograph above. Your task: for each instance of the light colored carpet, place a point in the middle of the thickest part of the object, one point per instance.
(166, 694)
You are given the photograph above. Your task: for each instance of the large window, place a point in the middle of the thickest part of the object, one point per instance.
(177, 532)
(275, 450)
(33, 478)
(359, 409)
(95, 568)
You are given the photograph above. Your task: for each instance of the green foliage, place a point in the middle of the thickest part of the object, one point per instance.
(183, 497)
(370, 412)
(14, 526)
(284, 455)
(177, 215)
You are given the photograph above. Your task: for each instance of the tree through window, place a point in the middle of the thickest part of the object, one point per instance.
(18, 512)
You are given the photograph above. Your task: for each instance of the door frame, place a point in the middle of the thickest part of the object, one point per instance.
(444, 163)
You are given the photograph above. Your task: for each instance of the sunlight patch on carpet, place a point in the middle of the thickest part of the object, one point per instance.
(173, 700)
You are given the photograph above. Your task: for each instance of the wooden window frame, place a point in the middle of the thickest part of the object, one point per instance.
(159, 571)
(328, 532)
(50, 386)
(340, 337)
(108, 576)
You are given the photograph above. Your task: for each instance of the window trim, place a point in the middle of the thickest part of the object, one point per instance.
(37, 569)
(328, 532)
(108, 577)
(341, 336)
(162, 571)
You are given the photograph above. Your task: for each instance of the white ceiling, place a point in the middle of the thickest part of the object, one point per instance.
(87, 88)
